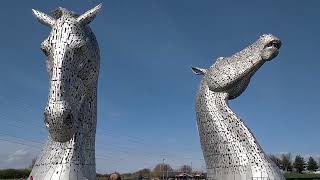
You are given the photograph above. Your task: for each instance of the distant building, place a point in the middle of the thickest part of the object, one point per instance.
(185, 176)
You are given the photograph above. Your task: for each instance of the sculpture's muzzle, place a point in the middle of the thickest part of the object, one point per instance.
(59, 121)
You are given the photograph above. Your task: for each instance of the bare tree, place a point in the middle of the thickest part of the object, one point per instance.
(286, 162)
(276, 160)
(162, 169)
(33, 161)
(186, 169)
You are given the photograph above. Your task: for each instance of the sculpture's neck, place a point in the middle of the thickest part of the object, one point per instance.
(224, 121)
(224, 136)
(79, 151)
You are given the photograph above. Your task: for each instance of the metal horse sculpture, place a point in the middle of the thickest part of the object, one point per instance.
(70, 115)
(230, 150)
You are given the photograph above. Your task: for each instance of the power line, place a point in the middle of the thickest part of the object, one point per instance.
(128, 153)
(119, 160)
(24, 107)
(130, 139)
(19, 143)
(126, 150)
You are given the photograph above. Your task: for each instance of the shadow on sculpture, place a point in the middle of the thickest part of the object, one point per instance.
(230, 150)
(70, 115)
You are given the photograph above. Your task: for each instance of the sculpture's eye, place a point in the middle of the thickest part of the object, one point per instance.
(78, 45)
(46, 51)
(45, 47)
(80, 49)
(275, 43)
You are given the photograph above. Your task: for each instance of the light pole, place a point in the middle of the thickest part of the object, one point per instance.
(163, 168)
(160, 170)
(167, 172)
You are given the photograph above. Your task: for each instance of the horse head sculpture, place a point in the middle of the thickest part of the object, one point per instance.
(232, 74)
(73, 64)
(70, 115)
(230, 149)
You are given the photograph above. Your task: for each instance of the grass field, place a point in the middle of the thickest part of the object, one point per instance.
(292, 176)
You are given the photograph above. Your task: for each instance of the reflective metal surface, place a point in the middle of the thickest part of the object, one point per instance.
(70, 115)
(230, 150)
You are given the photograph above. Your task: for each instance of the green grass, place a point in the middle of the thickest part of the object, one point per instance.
(301, 176)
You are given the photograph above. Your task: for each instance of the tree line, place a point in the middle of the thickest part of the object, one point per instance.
(161, 171)
(286, 162)
(299, 164)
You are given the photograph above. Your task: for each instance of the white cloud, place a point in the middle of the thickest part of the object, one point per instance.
(15, 156)
(18, 156)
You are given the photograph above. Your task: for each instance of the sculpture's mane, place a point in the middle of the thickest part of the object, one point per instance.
(60, 11)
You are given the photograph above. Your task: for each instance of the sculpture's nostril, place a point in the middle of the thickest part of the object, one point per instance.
(68, 119)
(57, 117)
(45, 113)
(46, 118)
(59, 122)
(46, 124)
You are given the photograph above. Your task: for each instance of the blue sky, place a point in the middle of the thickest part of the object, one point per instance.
(146, 88)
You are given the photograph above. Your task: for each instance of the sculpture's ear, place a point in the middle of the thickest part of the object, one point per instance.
(198, 71)
(43, 18)
(88, 16)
